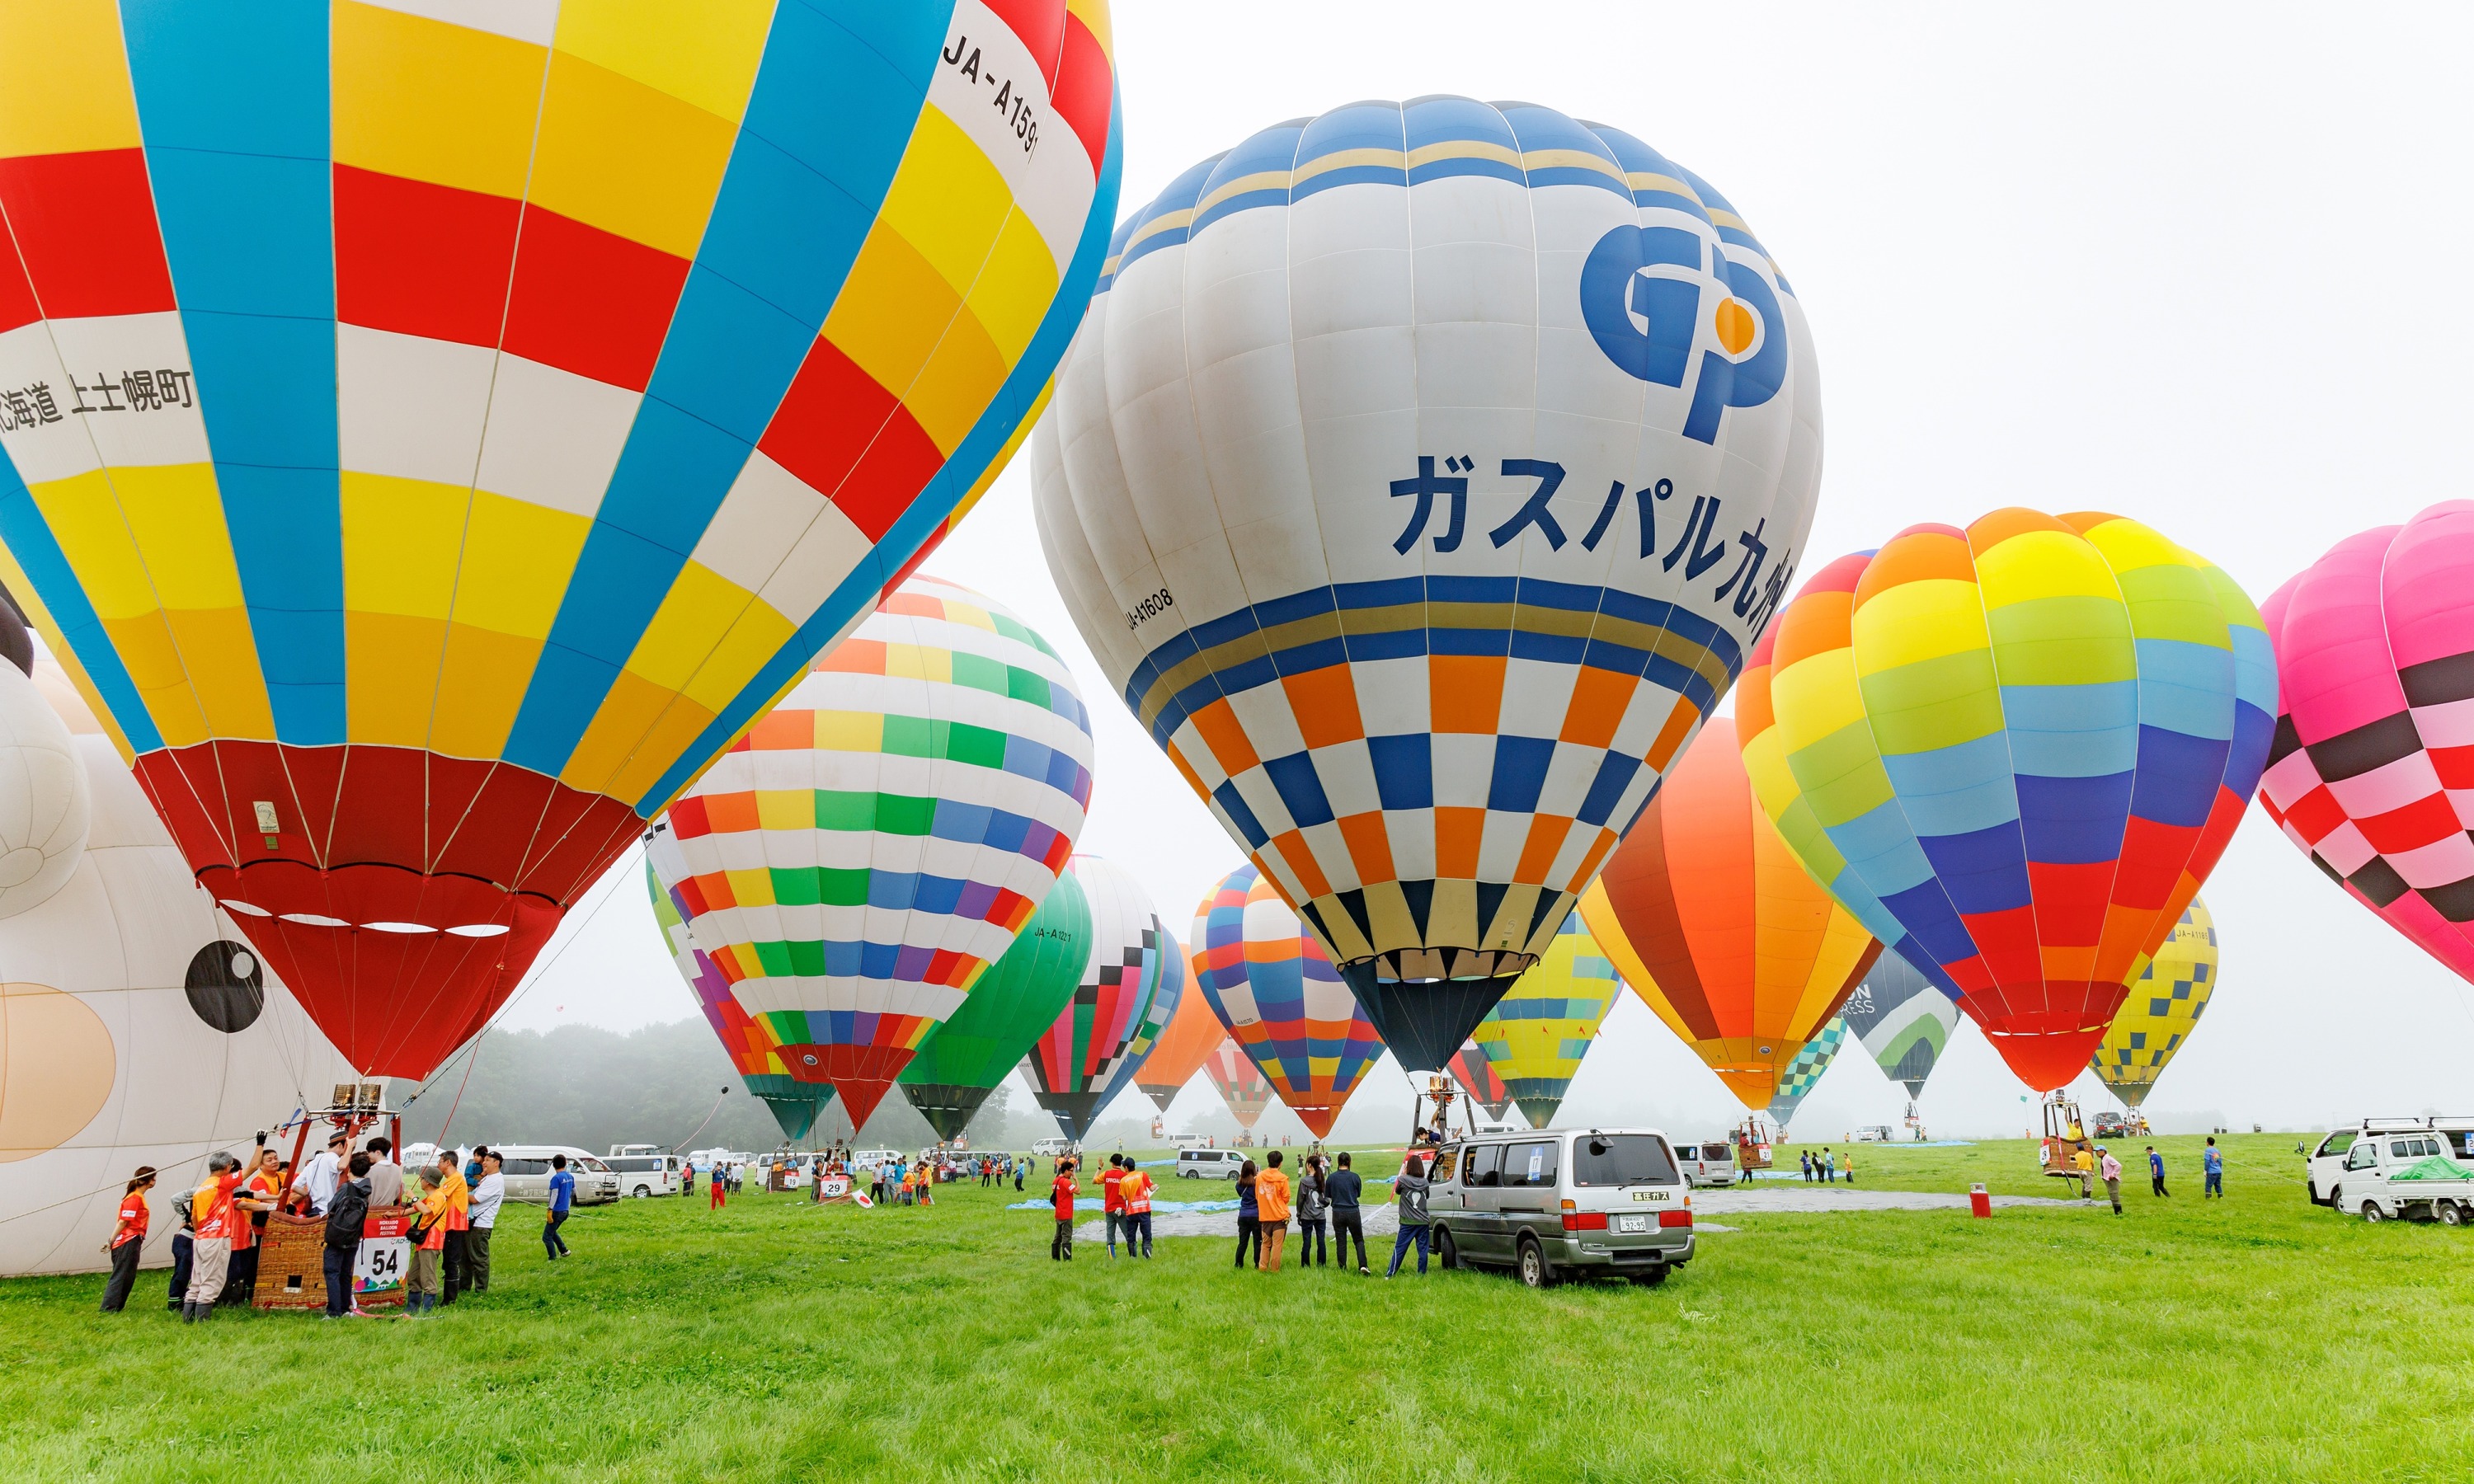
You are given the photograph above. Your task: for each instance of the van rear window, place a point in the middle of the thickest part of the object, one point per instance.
(1621, 1160)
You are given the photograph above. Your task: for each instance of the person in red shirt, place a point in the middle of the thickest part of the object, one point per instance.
(214, 1218)
(1112, 1204)
(1061, 1190)
(127, 1239)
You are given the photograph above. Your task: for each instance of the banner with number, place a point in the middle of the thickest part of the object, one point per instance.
(385, 1254)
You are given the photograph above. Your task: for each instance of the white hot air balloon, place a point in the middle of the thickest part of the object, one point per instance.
(1420, 476)
(136, 1027)
(44, 800)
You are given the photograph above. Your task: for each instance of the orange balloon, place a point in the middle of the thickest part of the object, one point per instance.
(1717, 926)
(1192, 1032)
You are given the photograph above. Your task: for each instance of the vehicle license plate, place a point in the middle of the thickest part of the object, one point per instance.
(1638, 1223)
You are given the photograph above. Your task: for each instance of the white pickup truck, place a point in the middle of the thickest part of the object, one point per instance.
(2394, 1169)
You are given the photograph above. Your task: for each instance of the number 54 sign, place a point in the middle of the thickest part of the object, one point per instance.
(379, 1266)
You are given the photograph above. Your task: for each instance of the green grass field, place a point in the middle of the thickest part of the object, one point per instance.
(2252, 1337)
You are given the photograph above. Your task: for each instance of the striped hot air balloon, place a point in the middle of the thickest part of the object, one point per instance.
(1419, 479)
(1191, 1034)
(434, 431)
(859, 860)
(1096, 1044)
(1284, 1004)
(1710, 920)
(1239, 1081)
(1535, 1037)
(1020, 996)
(2014, 752)
(754, 1052)
(2166, 1000)
(1477, 1078)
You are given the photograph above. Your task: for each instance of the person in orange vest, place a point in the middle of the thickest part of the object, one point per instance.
(459, 1204)
(1113, 1205)
(1272, 1205)
(1135, 1191)
(1061, 1190)
(213, 1216)
(256, 1197)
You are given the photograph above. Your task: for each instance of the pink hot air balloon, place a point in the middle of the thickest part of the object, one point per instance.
(2374, 748)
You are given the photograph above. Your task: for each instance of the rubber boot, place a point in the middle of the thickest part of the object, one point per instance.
(188, 1313)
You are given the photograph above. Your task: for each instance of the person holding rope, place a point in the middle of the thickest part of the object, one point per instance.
(213, 1215)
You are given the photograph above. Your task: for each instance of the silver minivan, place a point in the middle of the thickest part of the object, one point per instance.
(1209, 1163)
(1562, 1203)
(526, 1168)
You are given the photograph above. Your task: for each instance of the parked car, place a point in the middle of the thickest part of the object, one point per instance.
(1051, 1148)
(644, 1170)
(1556, 1202)
(2383, 1171)
(1209, 1163)
(526, 1168)
(1712, 1163)
(1880, 1134)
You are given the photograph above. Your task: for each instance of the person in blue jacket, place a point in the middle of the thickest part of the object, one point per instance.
(562, 1198)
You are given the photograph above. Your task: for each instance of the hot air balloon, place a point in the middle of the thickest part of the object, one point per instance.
(1420, 476)
(1477, 1078)
(136, 1027)
(1276, 990)
(1804, 1071)
(1707, 917)
(1902, 1021)
(2165, 1004)
(1536, 1036)
(1156, 1017)
(754, 1052)
(1177, 1055)
(2014, 752)
(1241, 1083)
(1073, 1066)
(859, 860)
(2368, 769)
(430, 442)
(964, 1059)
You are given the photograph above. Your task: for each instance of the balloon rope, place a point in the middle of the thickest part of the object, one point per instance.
(532, 981)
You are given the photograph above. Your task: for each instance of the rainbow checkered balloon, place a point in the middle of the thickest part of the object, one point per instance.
(750, 1043)
(1282, 1000)
(436, 428)
(2014, 752)
(856, 862)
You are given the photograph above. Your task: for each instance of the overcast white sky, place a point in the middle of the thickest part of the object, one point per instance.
(2203, 266)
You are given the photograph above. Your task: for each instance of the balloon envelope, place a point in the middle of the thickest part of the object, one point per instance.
(1073, 1067)
(1191, 1034)
(2165, 1004)
(1420, 478)
(1804, 1071)
(2014, 751)
(859, 859)
(1274, 987)
(1534, 1039)
(440, 438)
(2370, 771)
(1021, 995)
(1903, 1021)
(754, 1052)
(1706, 913)
(1477, 1078)
(1240, 1083)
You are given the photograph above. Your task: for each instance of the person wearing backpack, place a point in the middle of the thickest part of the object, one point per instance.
(346, 1214)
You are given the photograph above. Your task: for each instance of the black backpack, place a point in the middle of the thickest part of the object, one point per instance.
(346, 1213)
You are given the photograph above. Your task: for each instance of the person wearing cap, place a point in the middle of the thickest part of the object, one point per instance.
(127, 1239)
(483, 1210)
(318, 1179)
(212, 1215)
(459, 1204)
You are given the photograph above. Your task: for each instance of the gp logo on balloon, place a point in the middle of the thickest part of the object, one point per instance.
(1642, 292)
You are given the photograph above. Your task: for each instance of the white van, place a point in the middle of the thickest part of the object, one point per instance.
(1712, 1163)
(1050, 1148)
(526, 1171)
(1189, 1140)
(643, 1174)
(865, 1160)
(1209, 1163)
